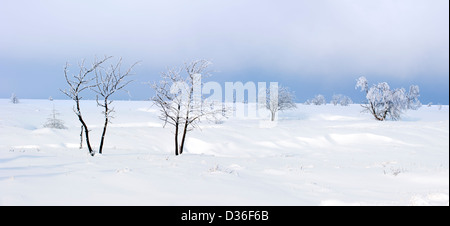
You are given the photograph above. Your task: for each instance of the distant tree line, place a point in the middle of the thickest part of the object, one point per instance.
(336, 99)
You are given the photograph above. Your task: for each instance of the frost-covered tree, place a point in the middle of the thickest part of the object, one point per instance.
(345, 101)
(341, 99)
(54, 122)
(14, 99)
(413, 101)
(382, 101)
(335, 99)
(285, 101)
(180, 101)
(362, 83)
(109, 80)
(77, 84)
(317, 100)
(105, 82)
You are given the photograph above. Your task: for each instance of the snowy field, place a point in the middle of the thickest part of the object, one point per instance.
(316, 155)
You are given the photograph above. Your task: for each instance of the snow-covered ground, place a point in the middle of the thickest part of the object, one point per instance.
(316, 155)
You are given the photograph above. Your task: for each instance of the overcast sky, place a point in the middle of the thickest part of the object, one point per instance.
(311, 46)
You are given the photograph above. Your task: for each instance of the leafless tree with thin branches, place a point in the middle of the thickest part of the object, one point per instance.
(180, 101)
(109, 80)
(78, 83)
(283, 99)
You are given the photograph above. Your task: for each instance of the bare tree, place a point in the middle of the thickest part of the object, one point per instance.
(180, 101)
(108, 81)
(284, 100)
(77, 84)
(169, 103)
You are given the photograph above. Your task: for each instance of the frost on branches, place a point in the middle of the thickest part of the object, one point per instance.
(341, 99)
(413, 102)
(382, 101)
(108, 80)
(179, 99)
(285, 100)
(53, 122)
(317, 100)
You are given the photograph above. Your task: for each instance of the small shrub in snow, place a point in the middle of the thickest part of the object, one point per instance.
(53, 122)
(217, 168)
(394, 171)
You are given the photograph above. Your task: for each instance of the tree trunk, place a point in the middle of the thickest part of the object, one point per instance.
(184, 137)
(374, 113)
(104, 127)
(186, 120)
(385, 114)
(176, 137)
(177, 124)
(81, 137)
(273, 115)
(103, 136)
(86, 130)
